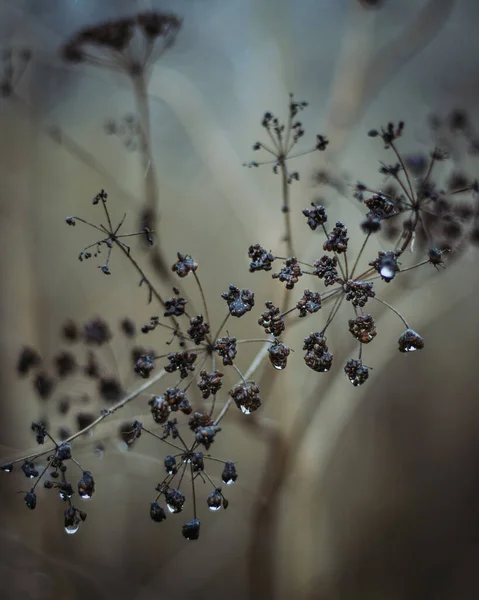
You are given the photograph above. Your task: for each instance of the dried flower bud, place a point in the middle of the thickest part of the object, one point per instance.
(278, 355)
(239, 301)
(210, 383)
(317, 216)
(86, 486)
(29, 470)
(160, 409)
(157, 513)
(261, 260)
(185, 265)
(73, 518)
(337, 240)
(229, 475)
(356, 371)
(226, 348)
(363, 328)
(175, 306)
(215, 500)
(145, 365)
(31, 500)
(182, 362)
(198, 329)
(197, 461)
(174, 500)
(309, 303)
(386, 265)
(325, 268)
(64, 452)
(317, 356)
(170, 465)
(271, 320)
(191, 529)
(409, 341)
(246, 396)
(199, 420)
(205, 435)
(290, 273)
(358, 292)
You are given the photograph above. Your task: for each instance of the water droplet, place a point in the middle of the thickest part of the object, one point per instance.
(387, 272)
(245, 410)
(410, 349)
(85, 496)
(230, 482)
(171, 508)
(71, 529)
(279, 367)
(215, 508)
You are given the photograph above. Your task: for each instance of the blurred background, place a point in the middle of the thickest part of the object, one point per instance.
(343, 493)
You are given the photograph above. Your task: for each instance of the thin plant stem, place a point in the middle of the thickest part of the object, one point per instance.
(358, 257)
(393, 309)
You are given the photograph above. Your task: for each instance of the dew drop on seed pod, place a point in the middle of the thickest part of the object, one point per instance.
(71, 529)
(171, 508)
(215, 508)
(245, 410)
(410, 349)
(387, 272)
(279, 367)
(85, 496)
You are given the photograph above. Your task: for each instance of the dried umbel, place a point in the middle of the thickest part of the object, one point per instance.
(130, 45)
(194, 344)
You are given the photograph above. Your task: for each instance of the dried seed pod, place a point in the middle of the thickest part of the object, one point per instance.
(191, 529)
(278, 355)
(229, 475)
(316, 216)
(246, 396)
(363, 328)
(356, 372)
(261, 260)
(174, 500)
(309, 303)
(271, 320)
(215, 500)
(290, 273)
(239, 301)
(410, 341)
(317, 356)
(157, 513)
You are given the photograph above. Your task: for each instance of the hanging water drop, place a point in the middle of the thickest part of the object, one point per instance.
(73, 528)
